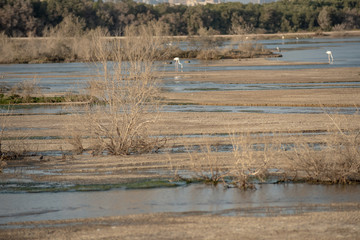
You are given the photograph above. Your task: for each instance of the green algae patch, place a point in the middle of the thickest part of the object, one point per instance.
(18, 99)
(153, 183)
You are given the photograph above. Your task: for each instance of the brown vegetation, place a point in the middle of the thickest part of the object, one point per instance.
(127, 91)
(334, 160)
(247, 163)
(68, 42)
(12, 146)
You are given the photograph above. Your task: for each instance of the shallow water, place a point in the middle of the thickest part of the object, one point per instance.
(346, 51)
(260, 109)
(186, 86)
(190, 198)
(58, 109)
(53, 77)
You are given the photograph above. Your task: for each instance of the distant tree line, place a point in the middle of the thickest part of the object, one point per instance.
(35, 17)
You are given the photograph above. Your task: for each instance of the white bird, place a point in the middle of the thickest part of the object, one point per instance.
(278, 49)
(330, 56)
(177, 63)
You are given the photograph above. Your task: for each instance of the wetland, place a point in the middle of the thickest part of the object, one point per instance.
(299, 98)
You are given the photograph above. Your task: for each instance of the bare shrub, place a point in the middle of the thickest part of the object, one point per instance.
(336, 160)
(250, 160)
(70, 26)
(244, 47)
(127, 90)
(207, 166)
(206, 44)
(26, 89)
(7, 50)
(68, 41)
(339, 27)
(13, 145)
(75, 138)
(2, 164)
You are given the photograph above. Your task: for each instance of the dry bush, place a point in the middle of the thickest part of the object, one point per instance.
(241, 29)
(13, 145)
(206, 45)
(250, 50)
(207, 166)
(3, 124)
(66, 42)
(244, 47)
(336, 160)
(127, 90)
(248, 162)
(250, 159)
(74, 136)
(339, 27)
(26, 89)
(2, 164)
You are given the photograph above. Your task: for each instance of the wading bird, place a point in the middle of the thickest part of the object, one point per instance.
(177, 63)
(330, 56)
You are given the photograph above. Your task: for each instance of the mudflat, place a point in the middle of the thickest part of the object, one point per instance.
(316, 225)
(341, 222)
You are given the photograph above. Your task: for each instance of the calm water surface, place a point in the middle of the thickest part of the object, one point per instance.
(72, 76)
(191, 198)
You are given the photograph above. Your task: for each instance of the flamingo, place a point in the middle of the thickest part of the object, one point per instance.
(177, 63)
(330, 56)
